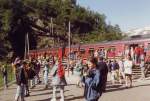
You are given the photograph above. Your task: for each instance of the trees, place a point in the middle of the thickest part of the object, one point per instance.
(50, 18)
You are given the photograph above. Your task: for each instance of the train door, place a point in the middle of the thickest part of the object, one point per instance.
(111, 52)
(102, 52)
(91, 51)
(82, 52)
(133, 46)
(134, 50)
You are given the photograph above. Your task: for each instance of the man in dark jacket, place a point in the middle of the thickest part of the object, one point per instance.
(103, 71)
(21, 81)
(4, 73)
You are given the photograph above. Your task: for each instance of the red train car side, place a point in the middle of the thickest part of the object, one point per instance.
(112, 49)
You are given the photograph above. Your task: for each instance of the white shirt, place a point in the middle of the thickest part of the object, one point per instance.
(127, 51)
(121, 65)
(95, 54)
(128, 67)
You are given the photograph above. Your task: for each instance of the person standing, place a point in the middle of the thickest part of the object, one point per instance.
(32, 73)
(137, 55)
(16, 61)
(142, 53)
(96, 54)
(128, 64)
(142, 66)
(21, 82)
(127, 51)
(114, 71)
(132, 54)
(37, 70)
(92, 82)
(5, 75)
(71, 65)
(58, 79)
(46, 72)
(104, 71)
(121, 70)
(26, 67)
(78, 71)
(109, 65)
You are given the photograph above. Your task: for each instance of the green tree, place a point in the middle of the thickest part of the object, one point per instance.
(36, 17)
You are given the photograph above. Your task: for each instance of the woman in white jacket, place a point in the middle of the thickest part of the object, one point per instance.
(128, 64)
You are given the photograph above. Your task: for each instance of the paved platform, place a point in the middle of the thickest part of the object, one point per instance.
(139, 92)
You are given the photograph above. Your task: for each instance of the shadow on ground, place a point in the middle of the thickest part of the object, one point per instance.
(120, 87)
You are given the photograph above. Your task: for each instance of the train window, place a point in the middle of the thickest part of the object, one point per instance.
(101, 47)
(91, 50)
(82, 51)
(75, 51)
(112, 48)
(148, 46)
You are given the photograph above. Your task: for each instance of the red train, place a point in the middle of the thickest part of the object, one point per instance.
(113, 49)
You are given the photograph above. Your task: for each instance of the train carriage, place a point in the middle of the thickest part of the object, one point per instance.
(114, 49)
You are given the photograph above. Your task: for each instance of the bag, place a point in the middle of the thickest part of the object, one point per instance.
(61, 71)
(31, 73)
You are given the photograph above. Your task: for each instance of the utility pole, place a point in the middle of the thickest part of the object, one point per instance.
(27, 47)
(69, 45)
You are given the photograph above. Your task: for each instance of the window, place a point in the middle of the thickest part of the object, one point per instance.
(91, 50)
(82, 51)
(101, 47)
(112, 48)
(148, 46)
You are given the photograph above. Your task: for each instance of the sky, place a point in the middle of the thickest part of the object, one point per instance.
(128, 14)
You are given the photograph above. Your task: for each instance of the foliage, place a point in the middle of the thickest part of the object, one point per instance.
(19, 17)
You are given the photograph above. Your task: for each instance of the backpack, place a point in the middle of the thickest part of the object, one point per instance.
(61, 71)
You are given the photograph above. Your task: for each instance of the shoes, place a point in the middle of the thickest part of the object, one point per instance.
(53, 99)
(40, 82)
(27, 95)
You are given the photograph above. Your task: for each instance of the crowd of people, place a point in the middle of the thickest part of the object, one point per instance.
(137, 53)
(27, 75)
(118, 70)
(92, 74)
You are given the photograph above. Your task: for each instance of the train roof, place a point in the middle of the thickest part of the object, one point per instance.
(131, 40)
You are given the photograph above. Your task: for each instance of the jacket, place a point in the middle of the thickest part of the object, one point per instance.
(21, 76)
(103, 71)
(56, 80)
(92, 82)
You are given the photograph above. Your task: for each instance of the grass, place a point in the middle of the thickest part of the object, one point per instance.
(10, 75)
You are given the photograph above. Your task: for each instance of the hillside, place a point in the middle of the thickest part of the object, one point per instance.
(21, 17)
